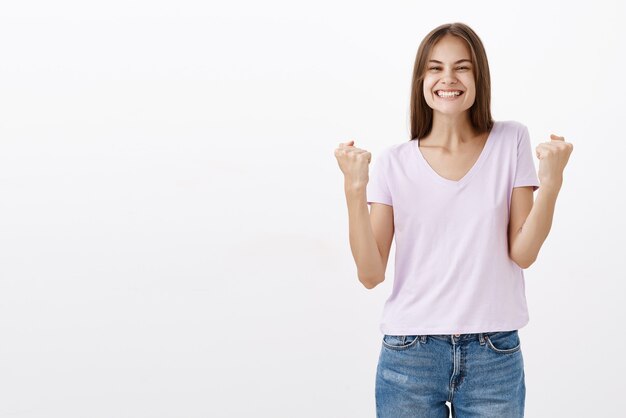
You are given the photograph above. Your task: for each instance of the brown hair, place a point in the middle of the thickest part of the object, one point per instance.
(480, 112)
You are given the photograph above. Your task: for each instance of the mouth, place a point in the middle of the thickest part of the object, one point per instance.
(448, 94)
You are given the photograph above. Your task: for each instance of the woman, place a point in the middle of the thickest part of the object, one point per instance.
(458, 197)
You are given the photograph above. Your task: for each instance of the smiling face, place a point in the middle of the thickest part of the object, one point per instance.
(449, 68)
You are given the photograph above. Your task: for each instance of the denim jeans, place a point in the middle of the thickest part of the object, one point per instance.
(481, 375)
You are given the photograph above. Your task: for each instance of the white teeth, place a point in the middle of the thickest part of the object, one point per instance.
(448, 94)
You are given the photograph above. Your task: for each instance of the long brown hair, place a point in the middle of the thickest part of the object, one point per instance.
(480, 112)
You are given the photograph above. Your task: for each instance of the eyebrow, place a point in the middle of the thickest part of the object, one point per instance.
(439, 62)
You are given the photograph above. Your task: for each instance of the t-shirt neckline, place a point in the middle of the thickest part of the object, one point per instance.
(467, 177)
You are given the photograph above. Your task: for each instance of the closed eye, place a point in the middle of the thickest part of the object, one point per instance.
(458, 68)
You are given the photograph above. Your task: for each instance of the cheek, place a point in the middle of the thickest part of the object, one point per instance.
(428, 88)
(428, 96)
(471, 98)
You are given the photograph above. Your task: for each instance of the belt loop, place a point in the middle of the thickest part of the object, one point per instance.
(481, 338)
(422, 338)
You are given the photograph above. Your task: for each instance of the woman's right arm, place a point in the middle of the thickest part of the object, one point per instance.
(370, 234)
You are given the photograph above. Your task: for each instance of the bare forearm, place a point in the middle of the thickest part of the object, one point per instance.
(362, 242)
(529, 239)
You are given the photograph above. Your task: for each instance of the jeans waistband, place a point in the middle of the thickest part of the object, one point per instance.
(462, 337)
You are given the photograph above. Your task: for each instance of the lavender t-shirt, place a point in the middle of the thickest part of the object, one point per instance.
(453, 274)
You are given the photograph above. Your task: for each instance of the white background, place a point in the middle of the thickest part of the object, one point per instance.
(173, 229)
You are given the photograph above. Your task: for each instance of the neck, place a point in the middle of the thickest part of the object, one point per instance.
(451, 131)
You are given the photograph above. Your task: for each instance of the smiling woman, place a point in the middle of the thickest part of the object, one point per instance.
(458, 199)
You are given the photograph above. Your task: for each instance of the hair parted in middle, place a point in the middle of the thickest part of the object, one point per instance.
(480, 112)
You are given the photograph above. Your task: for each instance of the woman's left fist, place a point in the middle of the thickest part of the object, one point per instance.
(553, 157)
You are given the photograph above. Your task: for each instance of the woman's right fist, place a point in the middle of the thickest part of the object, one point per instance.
(353, 163)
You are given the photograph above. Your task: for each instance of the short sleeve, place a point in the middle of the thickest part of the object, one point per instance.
(525, 172)
(377, 190)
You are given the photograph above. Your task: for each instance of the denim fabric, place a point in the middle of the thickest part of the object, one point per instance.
(481, 375)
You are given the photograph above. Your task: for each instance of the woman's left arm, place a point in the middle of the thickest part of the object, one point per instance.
(530, 222)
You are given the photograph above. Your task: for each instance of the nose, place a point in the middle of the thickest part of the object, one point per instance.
(448, 77)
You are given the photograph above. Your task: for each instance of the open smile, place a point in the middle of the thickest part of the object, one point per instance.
(448, 94)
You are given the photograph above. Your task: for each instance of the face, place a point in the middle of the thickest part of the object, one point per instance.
(450, 73)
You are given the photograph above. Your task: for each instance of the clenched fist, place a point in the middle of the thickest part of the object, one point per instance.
(354, 164)
(553, 157)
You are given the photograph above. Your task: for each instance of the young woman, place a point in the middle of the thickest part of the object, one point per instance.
(458, 197)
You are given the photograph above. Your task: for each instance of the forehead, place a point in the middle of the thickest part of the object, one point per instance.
(450, 48)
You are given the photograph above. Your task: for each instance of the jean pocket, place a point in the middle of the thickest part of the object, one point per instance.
(399, 342)
(504, 342)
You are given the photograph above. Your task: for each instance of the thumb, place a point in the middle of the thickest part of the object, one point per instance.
(557, 138)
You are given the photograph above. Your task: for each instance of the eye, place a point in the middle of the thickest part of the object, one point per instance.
(458, 68)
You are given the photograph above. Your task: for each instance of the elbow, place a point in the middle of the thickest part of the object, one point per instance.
(531, 262)
(524, 263)
(372, 282)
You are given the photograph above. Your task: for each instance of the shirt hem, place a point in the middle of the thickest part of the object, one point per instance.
(462, 329)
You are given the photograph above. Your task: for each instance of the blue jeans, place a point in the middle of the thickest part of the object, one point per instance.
(481, 375)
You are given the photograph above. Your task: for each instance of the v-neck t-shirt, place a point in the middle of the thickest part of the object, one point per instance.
(452, 270)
